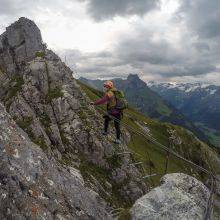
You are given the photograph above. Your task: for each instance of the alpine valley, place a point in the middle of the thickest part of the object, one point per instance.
(199, 102)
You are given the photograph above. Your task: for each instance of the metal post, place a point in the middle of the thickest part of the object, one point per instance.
(167, 157)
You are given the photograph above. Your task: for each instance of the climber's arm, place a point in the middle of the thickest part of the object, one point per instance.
(102, 101)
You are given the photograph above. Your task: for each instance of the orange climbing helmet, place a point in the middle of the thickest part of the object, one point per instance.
(108, 84)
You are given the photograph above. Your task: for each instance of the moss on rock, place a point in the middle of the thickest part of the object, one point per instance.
(15, 86)
(54, 94)
(40, 54)
(25, 122)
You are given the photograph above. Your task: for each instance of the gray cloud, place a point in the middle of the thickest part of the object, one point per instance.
(143, 50)
(202, 16)
(196, 69)
(11, 7)
(138, 52)
(98, 9)
(201, 46)
(107, 9)
(164, 59)
(14, 8)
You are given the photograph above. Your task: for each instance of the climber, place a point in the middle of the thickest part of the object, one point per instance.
(109, 98)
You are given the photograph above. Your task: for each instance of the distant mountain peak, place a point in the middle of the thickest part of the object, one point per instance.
(135, 81)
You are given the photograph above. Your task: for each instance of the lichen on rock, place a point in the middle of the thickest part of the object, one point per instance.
(34, 187)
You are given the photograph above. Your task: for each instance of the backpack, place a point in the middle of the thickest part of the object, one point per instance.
(121, 102)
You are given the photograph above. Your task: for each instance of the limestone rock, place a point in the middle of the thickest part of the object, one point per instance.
(20, 42)
(34, 187)
(179, 197)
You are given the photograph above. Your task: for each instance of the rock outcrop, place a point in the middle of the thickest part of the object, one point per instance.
(19, 44)
(179, 197)
(34, 187)
(39, 92)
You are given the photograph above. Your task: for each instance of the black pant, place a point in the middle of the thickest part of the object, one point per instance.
(116, 119)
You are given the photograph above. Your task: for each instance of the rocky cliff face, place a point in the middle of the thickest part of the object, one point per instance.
(179, 197)
(35, 187)
(40, 93)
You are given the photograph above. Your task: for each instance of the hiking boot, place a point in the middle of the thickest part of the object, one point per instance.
(117, 141)
(105, 133)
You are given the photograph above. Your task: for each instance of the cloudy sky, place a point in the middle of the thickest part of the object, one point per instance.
(161, 40)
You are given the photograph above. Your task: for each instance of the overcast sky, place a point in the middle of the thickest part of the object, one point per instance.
(161, 40)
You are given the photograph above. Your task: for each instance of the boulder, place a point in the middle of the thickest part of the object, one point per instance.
(179, 197)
